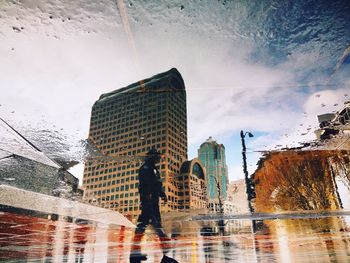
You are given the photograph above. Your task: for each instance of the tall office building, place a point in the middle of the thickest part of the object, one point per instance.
(125, 124)
(212, 156)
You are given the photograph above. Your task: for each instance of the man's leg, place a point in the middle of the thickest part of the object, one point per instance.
(135, 253)
(139, 231)
(157, 224)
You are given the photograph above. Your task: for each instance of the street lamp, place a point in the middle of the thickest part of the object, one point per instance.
(249, 184)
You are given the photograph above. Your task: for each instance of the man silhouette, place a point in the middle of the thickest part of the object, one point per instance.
(150, 190)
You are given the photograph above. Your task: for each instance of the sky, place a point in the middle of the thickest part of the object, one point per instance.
(268, 67)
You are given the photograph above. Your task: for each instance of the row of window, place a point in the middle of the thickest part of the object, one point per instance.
(124, 105)
(98, 194)
(124, 124)
(127, 99)
(107, 190)
(103, 136)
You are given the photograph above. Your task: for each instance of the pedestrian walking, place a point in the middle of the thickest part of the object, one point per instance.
(150, 191)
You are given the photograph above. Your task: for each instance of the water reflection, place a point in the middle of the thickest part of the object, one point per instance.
(294, 240)
(302, 180)
(30, 239)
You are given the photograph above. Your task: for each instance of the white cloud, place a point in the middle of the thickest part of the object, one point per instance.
(325, 101)
(53, 70)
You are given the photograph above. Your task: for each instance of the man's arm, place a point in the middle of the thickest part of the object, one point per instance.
(160, 187)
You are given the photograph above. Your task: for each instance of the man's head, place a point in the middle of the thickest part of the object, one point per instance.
(154, 155)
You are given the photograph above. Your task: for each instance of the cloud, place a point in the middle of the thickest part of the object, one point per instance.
(70, 52)
(252, 98)
(325, 101)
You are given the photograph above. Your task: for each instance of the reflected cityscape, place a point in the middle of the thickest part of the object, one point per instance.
(313, 177)
(184, 131)
(29, 239)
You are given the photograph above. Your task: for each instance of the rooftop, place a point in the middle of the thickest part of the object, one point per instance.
(172, 75)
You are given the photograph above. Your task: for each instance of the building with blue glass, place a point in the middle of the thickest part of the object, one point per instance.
(212, 156)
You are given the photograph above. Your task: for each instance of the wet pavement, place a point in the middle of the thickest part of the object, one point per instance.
(25, 238)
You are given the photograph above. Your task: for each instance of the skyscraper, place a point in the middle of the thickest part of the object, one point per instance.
(212, 156)
(124, 125)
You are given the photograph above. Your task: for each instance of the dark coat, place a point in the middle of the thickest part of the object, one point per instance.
(150, 184)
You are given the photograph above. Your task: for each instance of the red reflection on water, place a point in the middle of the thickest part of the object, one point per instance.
(25, 238)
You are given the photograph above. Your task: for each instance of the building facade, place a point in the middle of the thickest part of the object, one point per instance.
(212, 156)
(192, 186)
(124, 125)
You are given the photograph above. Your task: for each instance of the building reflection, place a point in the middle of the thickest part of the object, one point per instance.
(292, 240)
(28, 238)
(301, 180)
